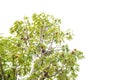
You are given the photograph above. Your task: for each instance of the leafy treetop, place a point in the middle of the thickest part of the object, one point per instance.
(37, 51)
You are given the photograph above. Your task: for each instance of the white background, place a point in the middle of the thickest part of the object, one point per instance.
(95, 23)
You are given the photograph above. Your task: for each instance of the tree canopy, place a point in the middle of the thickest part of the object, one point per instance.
(37, 51)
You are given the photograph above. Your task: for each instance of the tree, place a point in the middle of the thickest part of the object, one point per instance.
(37, 51)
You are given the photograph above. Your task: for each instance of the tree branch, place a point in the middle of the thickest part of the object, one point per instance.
(56, 73)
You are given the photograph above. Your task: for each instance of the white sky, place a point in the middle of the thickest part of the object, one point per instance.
(96, 24)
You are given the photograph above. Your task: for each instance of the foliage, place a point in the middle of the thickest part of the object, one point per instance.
(37, 51)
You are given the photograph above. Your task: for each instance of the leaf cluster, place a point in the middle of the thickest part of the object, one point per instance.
(37, 51)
